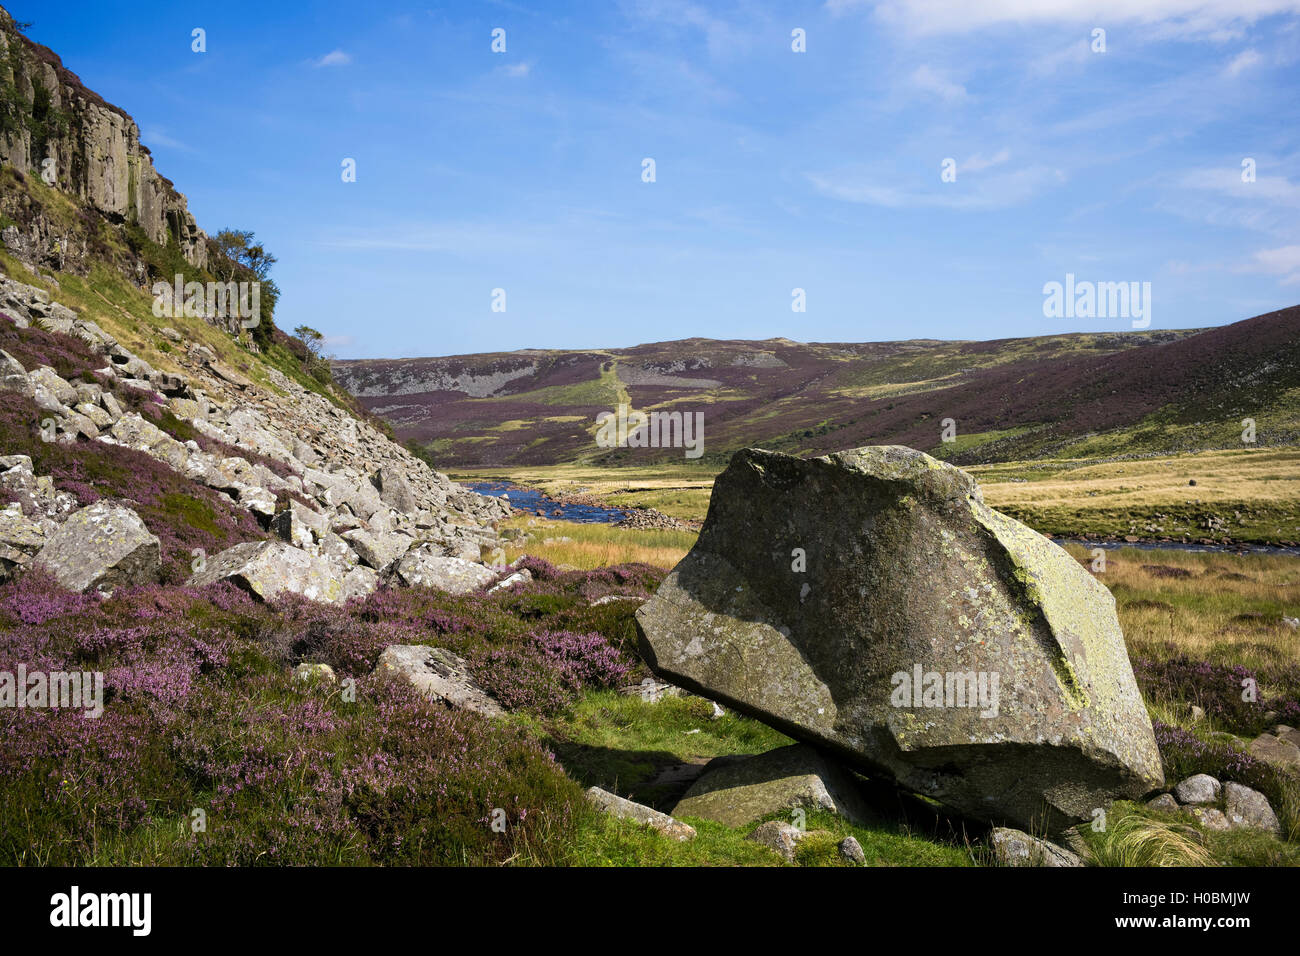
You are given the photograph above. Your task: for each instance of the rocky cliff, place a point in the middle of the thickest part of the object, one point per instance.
(53, 127)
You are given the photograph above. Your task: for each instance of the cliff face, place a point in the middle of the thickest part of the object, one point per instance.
(47, 113)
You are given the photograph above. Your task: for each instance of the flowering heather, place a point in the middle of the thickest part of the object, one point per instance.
(1217, 688)
(66, 354)
(202, 712)
(548, 670)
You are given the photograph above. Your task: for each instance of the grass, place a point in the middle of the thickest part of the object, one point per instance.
(596, 545)
(1254, 492)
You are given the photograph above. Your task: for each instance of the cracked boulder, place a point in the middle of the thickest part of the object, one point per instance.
(871, 604)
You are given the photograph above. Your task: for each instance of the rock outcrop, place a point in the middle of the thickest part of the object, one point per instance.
(93, 152)
(870, 603)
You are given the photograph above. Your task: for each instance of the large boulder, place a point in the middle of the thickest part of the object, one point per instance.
(871, 604)
(736, 790)
(267, 569)
(101, 547)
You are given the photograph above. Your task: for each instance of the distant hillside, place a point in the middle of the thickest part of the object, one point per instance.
(1077, 395)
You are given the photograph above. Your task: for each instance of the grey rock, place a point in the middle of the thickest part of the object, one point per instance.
(1017, 848)
(378, 550)
(1249, 809)
(1198, 789)
(101, 547)
(778, 836)
(422, 566)
(439, 673)
(394, 490)
(1165, 803)
(907, 568)
(736, 790)
(267, 569)
(851, 850)
(1277, 750)
(626, 809)
(1211, 818)
(522, 576)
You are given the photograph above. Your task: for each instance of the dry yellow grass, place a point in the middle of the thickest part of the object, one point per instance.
(1222, 607)
(1266, 475)
(596, 545)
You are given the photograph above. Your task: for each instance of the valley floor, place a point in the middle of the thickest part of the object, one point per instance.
(1247, 496)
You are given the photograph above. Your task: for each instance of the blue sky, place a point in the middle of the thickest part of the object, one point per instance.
(775, 170)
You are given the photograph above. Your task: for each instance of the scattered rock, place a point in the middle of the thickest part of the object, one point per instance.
(736, 790)
(1211, 818)
(778, 836)
(378, 550)
(851, 850)
(424, 566)
(1017, 848)
(522, 576)
(267, 569)
(1165, 803)
(626, 809)
(1276, 750)
(315, 672)
(1198, 789)
(439, 673)
(1249, 809)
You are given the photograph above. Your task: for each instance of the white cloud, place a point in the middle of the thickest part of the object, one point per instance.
(994, 191)
(1242, 61)
(977, 162)
(1283, 261)
(1215, 19)
(333, 58)
(929, 80)
(519, 69)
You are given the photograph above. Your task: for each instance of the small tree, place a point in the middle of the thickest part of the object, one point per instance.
(314, 340)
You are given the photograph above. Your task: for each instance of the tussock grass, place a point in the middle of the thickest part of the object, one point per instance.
(1135, 837)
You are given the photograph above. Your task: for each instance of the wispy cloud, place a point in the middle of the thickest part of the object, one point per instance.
(1242, 61)
(929, 80)
(518, 70)
(1283, 261)
(1213, 19)
(333, 58)
(153, 136)
(985, 192)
